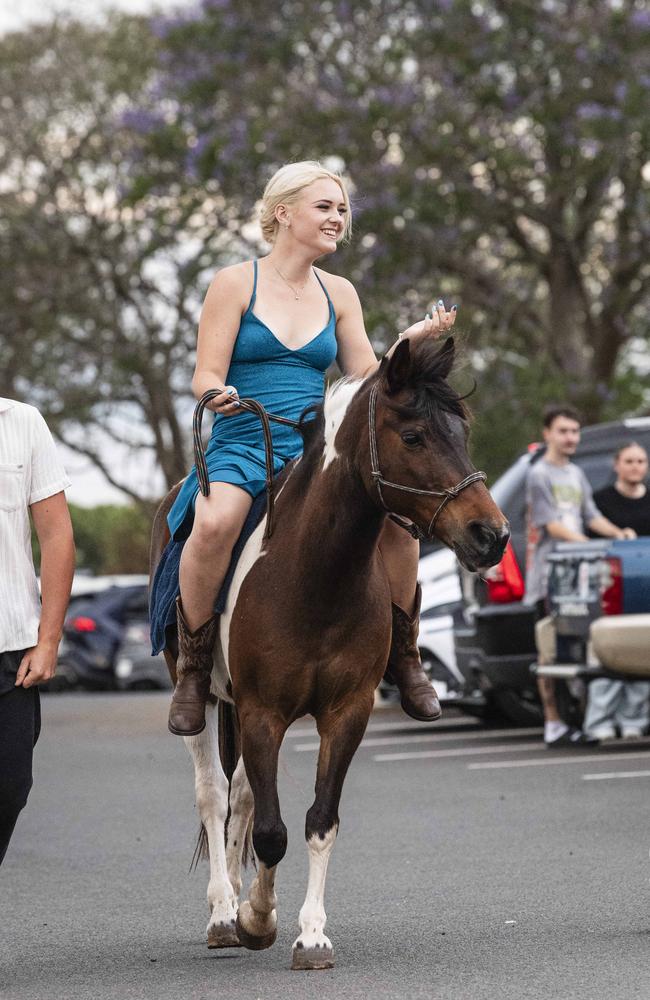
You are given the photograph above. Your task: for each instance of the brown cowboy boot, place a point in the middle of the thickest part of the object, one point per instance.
(419, 698)
(193, 670)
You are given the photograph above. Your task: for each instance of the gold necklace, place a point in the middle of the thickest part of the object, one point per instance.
(287, 282)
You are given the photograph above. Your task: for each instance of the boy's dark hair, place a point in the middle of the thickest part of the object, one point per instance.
(555, 410)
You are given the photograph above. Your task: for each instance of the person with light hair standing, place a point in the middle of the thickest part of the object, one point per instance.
(269, 329)
(32, 481)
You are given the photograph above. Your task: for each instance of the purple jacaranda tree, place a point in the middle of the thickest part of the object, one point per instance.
(499, 157)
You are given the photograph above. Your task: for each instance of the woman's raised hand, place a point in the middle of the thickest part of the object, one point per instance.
(226, 403)
(436, 322)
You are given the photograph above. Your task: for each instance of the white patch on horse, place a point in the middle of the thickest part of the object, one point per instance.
(211, 787)
(312, 915)
(337, 400)
(251, 553)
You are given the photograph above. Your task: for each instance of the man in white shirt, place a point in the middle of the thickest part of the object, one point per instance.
(32, 480)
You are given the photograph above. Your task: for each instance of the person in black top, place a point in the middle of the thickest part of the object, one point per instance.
(614, 704)
(627, 501)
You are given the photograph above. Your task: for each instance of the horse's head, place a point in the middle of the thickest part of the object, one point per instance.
(420, 468)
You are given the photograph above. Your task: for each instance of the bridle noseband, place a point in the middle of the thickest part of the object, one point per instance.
(375, 472)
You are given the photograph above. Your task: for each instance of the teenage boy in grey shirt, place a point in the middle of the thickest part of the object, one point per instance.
(559, 505)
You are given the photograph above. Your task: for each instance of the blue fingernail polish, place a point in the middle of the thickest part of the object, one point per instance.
(427, 316)
(440, 302)
(454, 308)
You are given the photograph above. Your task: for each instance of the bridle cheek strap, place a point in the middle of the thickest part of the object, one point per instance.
(447, 495)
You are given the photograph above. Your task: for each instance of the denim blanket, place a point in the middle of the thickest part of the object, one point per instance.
(165, 588)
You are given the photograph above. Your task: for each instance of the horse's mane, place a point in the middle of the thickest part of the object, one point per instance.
(430, 365)
(432, 395)
(311, 427)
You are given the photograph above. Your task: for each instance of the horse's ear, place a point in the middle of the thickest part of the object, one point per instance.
(445, 360)
(398, 368)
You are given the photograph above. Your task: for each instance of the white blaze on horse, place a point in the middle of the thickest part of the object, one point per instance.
(307, 626)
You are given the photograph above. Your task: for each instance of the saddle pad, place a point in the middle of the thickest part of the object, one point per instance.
(165, 587)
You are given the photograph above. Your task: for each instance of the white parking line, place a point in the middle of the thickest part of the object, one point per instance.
(386, 741)
(459, 752)
(459, 725)
(582, 758)
(616, 774)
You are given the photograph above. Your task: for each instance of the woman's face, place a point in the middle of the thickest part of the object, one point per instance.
(631, 466)
(317, 218)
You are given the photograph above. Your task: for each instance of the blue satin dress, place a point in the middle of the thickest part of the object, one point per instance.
(285, 382)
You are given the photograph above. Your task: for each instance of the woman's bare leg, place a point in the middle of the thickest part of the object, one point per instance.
(218, 521)
(400, 553)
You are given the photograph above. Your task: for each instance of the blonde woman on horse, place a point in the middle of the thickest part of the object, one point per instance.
(269, 330)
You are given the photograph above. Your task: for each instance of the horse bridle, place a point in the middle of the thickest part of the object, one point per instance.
(252, 406)
(447, 495)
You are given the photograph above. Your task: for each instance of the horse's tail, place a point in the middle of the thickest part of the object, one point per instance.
(229, 738)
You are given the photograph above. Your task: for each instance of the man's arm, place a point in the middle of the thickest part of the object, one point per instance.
(54, 530)
(596, 521)
(561, 533)
(600, 525)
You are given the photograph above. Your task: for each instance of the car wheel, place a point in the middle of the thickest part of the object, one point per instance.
(517, 708)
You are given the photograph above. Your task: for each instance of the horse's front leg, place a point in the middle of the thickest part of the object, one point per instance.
(211, 787)
(241, 811)
(341, 731)
(261, 737)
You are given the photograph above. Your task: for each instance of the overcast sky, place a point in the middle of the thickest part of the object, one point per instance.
(17, 15)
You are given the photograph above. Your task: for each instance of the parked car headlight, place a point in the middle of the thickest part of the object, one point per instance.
(124, 667)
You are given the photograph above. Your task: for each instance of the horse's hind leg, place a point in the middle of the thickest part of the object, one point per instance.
(211, 787)
(341, 732)
(261, 737)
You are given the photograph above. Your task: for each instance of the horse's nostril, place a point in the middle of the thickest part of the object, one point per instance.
(483, 535)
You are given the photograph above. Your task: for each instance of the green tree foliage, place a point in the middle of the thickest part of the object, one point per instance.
(500, 157)
(499, 154)
(109, 539)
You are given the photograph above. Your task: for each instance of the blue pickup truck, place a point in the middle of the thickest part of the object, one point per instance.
(599, 594)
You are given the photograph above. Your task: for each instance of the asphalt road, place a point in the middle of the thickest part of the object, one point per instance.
(487, 867)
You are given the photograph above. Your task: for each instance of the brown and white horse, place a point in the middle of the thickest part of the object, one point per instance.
(307, 626)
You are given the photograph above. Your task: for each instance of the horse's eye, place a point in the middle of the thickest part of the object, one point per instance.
(412, 438)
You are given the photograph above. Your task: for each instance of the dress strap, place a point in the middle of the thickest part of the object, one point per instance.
(322, 285)
(252, 301)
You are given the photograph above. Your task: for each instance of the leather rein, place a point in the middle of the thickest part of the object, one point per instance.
(253, 406)
(250, 406)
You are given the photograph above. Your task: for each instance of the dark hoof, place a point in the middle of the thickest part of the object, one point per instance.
(311, 959)
(223, 936)
(254, 943)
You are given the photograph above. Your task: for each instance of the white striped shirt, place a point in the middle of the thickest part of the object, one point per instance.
(30, 470)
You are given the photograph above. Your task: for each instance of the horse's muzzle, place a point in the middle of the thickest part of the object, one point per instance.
(483, 545)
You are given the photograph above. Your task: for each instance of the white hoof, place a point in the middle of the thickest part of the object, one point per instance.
(312, 952)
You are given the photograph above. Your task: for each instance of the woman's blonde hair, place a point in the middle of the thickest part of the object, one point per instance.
(284, 189)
